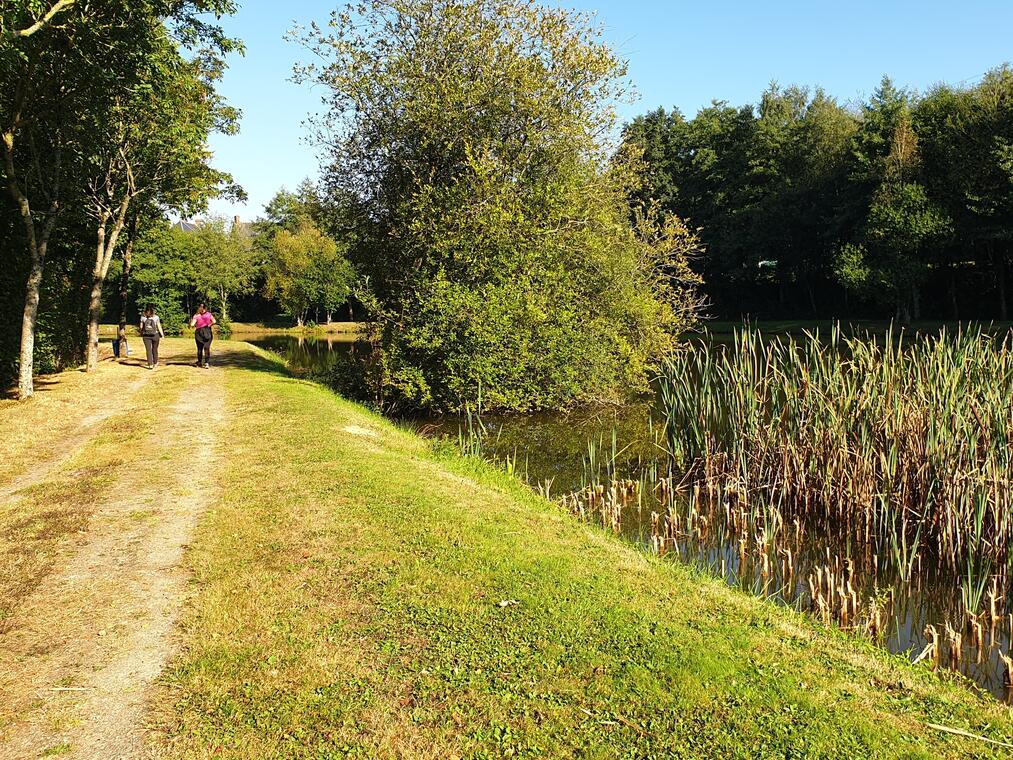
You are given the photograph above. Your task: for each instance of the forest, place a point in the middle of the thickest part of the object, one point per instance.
(899, 207)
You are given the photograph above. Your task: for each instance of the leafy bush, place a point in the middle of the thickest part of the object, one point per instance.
(493, 226)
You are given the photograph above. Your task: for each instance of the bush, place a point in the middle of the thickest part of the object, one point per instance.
(494, 226)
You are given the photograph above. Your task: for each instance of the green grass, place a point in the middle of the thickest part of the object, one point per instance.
(357, 593)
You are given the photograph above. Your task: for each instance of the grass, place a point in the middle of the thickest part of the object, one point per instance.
(285, 327)
(357, 592)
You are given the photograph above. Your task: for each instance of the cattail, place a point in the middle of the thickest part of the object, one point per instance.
(933, 644)
(1007, 678)
(954, 639)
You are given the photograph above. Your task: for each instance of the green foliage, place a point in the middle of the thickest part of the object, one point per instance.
(305, 268)
(223, 264)
(492, 223)
(175, 270)
(162, 274)
(307, 271)
(107, 104)
(804, 204)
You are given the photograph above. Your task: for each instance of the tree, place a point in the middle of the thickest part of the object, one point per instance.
(163, 272)
(58, 79)
(154, 149)
(223, 263)
(306, 271)
(903, 227)
(493, 225)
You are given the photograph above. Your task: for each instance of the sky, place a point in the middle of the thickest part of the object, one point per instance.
(681, 53)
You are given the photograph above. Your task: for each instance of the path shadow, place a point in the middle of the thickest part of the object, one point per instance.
(247, 359)
(236, 357)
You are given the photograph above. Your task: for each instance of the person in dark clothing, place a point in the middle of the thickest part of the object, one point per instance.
(152, 333)
(202, 323)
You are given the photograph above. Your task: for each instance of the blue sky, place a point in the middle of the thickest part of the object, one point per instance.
(682, 53)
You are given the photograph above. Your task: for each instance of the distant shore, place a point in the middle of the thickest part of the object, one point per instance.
(259, 328)
(335, 328)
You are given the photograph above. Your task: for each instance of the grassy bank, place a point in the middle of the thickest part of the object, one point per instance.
(357, 593)
(284, 328)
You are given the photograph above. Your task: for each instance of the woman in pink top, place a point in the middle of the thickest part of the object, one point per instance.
(202, 323)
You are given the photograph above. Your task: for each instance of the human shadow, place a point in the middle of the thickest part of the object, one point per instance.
(250, 360)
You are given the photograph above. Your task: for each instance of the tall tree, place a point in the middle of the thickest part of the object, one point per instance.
(223, 263)
(494, 232)
(57, 80)
(904, 228)
(307, 270)
(154, 149)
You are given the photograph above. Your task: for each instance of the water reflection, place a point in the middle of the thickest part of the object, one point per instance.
(312, 356)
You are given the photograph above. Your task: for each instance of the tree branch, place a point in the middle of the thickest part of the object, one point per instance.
(58, 7)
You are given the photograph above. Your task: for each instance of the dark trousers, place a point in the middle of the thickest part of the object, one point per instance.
(151, 349)
(204, 338)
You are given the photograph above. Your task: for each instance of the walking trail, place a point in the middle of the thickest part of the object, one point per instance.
(112, 472)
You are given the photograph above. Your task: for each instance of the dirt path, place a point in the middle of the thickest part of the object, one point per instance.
(65, 412)
(71, 442)
(78, 661)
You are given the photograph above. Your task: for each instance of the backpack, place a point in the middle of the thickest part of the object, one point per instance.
(150, 327)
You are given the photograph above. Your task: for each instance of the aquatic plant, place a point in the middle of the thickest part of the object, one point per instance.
(898, 444)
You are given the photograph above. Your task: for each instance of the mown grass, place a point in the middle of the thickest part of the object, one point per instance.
(37, 523)
(357, 593)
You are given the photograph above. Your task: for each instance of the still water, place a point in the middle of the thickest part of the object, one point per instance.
(309, 356)
(563, 453)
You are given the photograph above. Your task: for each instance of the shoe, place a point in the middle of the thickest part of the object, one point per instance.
(207, 366)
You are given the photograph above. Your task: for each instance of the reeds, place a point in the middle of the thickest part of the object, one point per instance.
(890, 461)
(905, 448)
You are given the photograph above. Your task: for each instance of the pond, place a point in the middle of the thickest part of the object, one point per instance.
(613, 466)
(311, 355)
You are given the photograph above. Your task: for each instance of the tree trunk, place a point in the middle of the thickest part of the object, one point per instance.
(128, 261)
(95, 298)
(903, 313)
(330, 317)
(38, 244)
(26, 369)
(1000, 275)
(916, 303)
(104, 249)
(225, 309)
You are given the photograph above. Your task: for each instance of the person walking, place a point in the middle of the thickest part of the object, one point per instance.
(202, 323)
(152, 333)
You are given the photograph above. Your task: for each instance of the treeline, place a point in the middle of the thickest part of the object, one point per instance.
(901, 207)
(105, 112)
(289, 261)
